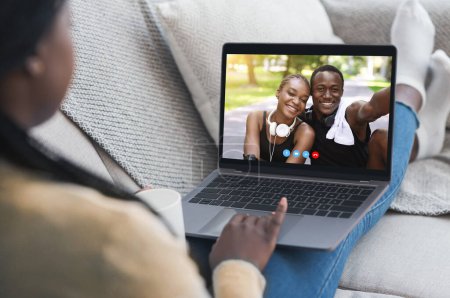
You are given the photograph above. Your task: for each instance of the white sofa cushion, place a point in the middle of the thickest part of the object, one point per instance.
(196, 30)
(402, 255)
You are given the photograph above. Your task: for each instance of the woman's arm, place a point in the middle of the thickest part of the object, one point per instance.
(303, 141)
(251, 142)
(247, 241)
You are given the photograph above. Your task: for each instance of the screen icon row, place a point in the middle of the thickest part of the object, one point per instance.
(305, 154)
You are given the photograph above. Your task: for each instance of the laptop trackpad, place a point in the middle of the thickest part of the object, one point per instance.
(215, 226)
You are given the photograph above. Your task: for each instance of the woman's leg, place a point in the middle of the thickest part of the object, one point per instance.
(311, 273)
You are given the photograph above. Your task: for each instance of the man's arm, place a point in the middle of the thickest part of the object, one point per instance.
(360, 113)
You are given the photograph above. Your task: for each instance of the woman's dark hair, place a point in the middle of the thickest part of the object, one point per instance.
(22, 25)
(293, 76)
(326, 67)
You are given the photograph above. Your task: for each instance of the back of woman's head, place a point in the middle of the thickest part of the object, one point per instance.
(23, 23)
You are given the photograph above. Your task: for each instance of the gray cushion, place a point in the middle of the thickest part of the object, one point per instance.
(402, 255)
(128, 96)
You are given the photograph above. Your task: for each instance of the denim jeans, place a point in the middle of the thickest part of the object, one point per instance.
(294, 272)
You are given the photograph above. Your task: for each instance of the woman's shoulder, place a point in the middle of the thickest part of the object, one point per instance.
(304, 129)
(67, 202)
(256, 117)
(256, 114)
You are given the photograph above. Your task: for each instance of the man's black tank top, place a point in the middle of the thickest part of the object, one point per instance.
(278, 150)
(334, 154)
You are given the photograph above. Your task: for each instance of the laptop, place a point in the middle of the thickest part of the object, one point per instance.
(326, 199)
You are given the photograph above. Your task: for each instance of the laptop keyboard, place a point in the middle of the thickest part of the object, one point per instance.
(304, 197)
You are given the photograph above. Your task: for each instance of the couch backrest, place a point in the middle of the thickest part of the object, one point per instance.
(369, 22)
(129, 97)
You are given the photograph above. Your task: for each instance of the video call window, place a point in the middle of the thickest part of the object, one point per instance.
(307, 109)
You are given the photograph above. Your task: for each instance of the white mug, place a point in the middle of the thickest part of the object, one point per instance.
(167, 203)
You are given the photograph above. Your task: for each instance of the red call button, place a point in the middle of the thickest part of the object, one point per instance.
(315, 155)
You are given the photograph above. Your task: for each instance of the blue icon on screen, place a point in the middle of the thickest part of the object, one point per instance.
(296, 153)
(286, 152)
(305, 154)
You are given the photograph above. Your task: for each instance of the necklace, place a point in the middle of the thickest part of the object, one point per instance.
(273, 150)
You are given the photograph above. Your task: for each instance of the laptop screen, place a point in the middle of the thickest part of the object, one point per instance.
(311, 107)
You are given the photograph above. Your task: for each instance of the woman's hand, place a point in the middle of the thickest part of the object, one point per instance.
(144, 189)
(249, 238)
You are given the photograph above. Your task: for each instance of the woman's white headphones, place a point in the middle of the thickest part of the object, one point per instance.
(281, 130)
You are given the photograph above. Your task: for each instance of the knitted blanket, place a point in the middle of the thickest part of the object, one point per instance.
(426, 187)
(128, 96)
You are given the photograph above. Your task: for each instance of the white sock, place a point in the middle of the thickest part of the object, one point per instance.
(413, 35)
(433, 116)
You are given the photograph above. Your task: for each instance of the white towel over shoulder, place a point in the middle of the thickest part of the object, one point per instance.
(340, 131)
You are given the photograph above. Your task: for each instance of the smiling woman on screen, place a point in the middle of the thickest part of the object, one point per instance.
(271, 135)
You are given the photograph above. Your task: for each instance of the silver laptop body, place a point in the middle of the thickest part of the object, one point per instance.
(205, 218)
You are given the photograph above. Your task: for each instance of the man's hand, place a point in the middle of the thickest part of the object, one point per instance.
(249, 238)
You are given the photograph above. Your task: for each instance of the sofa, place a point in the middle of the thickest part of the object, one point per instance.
(139, 114)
